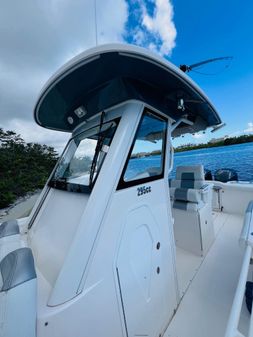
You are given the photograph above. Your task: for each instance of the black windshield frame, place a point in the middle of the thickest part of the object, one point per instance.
(62, 183)
(126, 184)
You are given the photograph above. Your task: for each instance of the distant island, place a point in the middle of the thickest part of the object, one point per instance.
(216, 142)
(145, 154)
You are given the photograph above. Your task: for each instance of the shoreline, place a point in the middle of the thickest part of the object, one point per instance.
(193, 147)
(20, 208)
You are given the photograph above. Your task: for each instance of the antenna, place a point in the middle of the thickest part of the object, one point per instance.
(187, 69)
(218, 127)
(95, 15)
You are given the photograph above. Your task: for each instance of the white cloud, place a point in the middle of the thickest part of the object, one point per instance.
(111, 18)
(250, 128)
(139, 37)
(198, 135)
(235, 134)
(32, 133)
(161, 25)
(246, 131)
(36, 38)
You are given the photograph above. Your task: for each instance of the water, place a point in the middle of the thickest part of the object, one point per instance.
(238, 157)
(139, 165)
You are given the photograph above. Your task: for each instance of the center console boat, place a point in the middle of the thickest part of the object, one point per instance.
(110, 249)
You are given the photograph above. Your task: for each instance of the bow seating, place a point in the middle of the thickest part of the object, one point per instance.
(9, 228)
(18, 284)
(191, 208)
(9, 237)
(18, 288)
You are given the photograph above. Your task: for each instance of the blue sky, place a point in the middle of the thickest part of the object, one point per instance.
(207, 29)
(37, 37)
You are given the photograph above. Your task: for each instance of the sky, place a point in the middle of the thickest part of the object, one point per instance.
(37, 37)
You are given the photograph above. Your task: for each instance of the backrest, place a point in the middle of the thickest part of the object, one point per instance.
(189, 177)
(18, 294)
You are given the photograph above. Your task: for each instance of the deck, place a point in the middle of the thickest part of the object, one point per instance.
(208, 284)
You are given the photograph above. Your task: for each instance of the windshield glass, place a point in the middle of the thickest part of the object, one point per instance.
(81, 162)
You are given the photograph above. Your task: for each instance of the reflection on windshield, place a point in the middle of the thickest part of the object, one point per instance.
(85, 151)
(147, 157)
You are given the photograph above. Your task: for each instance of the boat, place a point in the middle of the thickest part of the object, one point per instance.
(111, 247)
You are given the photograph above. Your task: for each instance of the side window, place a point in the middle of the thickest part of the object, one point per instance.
(146, 159)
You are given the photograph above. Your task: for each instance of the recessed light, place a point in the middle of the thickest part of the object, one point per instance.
(70, 120)
(80, 111)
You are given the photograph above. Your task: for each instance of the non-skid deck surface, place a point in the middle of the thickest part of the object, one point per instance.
(189, 263)
(187, 267)
(205, 307)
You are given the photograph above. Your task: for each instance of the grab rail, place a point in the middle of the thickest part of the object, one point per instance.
(171, 149)
(171, 157)
(246, 238)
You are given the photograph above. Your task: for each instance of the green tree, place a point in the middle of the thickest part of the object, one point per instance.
(24, 167)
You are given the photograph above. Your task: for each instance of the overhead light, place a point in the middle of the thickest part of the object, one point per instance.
(180, 104)
(80, 111)
(70, 120)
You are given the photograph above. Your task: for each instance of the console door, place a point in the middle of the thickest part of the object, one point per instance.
(146, 261)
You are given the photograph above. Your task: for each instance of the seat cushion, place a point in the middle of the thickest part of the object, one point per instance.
(186, 183)
(190, 172)
(16, 268)
(9, 228)
(18, 294)
(185, 194)
(189, 177)
(187, 206)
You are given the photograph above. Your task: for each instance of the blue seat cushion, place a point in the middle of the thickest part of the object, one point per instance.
(9, 228)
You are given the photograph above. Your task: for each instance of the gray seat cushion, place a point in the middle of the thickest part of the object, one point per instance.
(189, 177)
(250, 207)
(185, 194)
(187, 183)
(9, 228)
(16, 268)
(195, 172)
(188, 189)
(187, 206)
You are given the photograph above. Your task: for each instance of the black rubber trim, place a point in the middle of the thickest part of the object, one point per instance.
(78, 188)
(70, 187)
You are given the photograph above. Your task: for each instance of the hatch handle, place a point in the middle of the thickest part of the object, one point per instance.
(171, 154)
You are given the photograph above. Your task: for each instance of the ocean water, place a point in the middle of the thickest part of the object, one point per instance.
(238, 157)
(139, 165)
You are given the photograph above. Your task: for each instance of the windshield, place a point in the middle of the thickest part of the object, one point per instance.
(81, 162)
